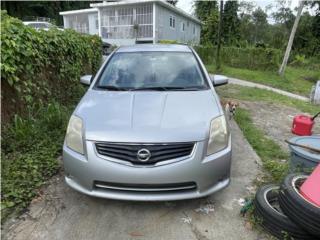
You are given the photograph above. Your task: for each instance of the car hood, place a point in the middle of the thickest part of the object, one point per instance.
(148, 116)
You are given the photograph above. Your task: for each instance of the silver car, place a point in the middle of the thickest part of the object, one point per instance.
(149, 128)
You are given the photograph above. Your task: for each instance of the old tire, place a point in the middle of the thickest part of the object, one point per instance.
(271, 218)
(295, 206)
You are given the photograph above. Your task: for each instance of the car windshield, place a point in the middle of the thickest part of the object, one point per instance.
(152, 71)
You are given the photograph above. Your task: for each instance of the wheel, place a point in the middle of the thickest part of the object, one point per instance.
(272, 219)
(299, 209)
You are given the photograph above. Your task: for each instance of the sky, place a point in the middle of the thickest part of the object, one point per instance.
(186, 5)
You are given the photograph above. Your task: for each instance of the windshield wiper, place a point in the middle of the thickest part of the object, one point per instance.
(168, 88)
(150, 88)
(112, 88)
(190, 88)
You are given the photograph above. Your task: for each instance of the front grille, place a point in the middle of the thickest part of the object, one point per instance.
(150, 188)
(158, 152)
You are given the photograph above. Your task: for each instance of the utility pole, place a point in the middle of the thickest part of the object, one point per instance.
(218, 61)
(289, 46)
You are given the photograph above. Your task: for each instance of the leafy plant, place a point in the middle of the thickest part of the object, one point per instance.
(38, 66)
(30, 147)
(40, 85)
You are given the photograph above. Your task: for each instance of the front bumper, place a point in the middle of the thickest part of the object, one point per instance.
(209, 173)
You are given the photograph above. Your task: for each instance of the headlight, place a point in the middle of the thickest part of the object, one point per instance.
(74, 134)
(219, 135)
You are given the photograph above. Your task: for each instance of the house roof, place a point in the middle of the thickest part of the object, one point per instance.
(87, 10)
(161, 2)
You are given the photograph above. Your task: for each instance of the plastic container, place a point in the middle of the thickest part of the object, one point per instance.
(302, 159)
(302, 125)
(310, 189)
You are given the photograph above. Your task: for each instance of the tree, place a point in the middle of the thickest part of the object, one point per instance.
(289, 46)
(230, 27)
(246, 8)
(305, 42)
(260, 22)
(316, 19)
(49, 9)
(208, 13)
(284, 15)
(203, 9)
(218, 60)
(246, 23)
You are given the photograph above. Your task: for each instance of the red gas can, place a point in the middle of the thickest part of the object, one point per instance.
(302, 125)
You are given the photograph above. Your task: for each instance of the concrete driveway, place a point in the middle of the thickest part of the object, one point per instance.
(61, 213)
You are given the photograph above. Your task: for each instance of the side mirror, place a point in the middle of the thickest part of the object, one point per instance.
(218, 80)
(86, 80)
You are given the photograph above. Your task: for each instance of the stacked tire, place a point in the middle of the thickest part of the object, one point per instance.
(297, 207)
(285, 213)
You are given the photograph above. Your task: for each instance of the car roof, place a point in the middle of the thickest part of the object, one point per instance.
(155, 48)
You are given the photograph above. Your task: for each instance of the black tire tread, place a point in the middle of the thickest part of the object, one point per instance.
(298, 209)
(276, 224)
(288, 207)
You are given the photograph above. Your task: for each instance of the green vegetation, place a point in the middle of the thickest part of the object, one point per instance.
(245, 24)
(208, 12)
(296, 80)
(40, 86)
(41, 66)
(250, 58)
(270, 152)
(164, 41)
(41, 9)
(30, 147)
(255, 94)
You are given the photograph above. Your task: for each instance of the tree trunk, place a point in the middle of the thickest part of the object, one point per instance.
(218, 60)
(289, 46)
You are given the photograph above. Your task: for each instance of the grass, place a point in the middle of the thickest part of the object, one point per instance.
(296, 80)
(270, 154)
(30, 147)
(269, 151)
(255, 94)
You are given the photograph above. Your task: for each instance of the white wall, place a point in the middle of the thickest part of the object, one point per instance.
(165, 32)
(93, 23)
(118, 23)
(81, 22)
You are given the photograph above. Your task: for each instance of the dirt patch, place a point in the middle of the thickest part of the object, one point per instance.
(275, 120)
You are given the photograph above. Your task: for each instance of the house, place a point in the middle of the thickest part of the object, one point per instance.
(131, 21)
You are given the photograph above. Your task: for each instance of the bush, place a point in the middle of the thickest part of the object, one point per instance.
(250, 58)
(30, 147)
(38, 66)
(301, 61)
(40, 85)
